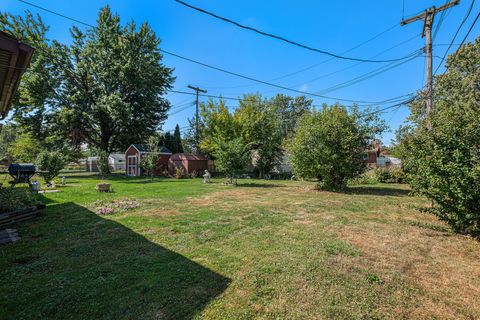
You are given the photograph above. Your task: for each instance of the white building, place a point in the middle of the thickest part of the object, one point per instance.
(387, 161)
(116, 161)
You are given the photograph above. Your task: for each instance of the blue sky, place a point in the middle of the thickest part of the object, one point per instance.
(334, 26)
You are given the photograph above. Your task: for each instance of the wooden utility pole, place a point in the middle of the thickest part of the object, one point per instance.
(428, 16)
(197, 90)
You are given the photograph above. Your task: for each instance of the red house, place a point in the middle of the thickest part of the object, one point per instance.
(373, 153)
(189, 162)
(133, 158)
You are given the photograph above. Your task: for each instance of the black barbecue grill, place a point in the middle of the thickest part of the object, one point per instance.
(21, 173)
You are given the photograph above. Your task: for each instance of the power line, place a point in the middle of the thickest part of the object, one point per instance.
(209, 66)
(205, 95)
(365, 76)
(455, 36)
(405, 102)
(57, 13)
(330, 59)
(263, 82)
(282, 38)
(468, 33)
(413, 54)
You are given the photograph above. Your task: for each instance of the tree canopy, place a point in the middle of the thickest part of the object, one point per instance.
(330, 145)
(444, 163)
(105, 89)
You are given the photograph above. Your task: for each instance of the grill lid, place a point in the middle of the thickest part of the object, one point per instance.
(21, 167)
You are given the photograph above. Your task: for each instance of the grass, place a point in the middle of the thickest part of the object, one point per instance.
(266, 250)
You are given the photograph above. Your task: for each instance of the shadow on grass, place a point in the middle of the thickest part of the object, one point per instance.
(258, 185)
(378, 191)
(71, 263)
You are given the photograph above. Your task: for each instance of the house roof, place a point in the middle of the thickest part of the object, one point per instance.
(144, 148)
(187, 156)
(14, 60)
(117, 155)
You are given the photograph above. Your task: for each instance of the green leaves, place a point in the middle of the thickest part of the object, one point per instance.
(330, 144)
(444, 163)
(49, 164)
(231, 157)
(105, 88)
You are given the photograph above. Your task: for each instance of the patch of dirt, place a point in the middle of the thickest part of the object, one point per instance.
(159, 212)
(445, 268)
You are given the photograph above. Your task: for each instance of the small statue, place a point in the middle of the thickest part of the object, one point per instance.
(206, 177)
(63, 181)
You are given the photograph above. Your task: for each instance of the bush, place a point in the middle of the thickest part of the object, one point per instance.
(390, 175)
(12, 199)
(443, 158)
(179, 173)
(50, 164)
(329, 145)
(194, 174)
(231, 159)
(367, 177)
(102, 163)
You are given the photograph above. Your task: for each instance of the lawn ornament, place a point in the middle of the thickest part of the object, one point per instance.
(206, 177)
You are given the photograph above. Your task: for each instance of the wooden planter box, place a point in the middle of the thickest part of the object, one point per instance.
(9, 218)
(103, 187)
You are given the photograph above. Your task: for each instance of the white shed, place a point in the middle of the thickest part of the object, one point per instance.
(116, 161)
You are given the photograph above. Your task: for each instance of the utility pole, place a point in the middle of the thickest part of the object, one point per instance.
(197, 90)
(428, 16)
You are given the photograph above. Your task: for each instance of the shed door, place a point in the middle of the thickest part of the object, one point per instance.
(132, 166)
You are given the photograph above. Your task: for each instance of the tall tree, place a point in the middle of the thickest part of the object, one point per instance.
(39, 91)
(216, 124)
(260, 128)
(114, 83)
(290, 110)
(177, 140)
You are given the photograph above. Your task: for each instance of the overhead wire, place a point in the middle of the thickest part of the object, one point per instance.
(338, 56)
(319, 63)
(216, 68)
(469, 11)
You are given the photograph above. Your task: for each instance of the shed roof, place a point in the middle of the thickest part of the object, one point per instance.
(144, 148)
(14, 59)
(188, 156)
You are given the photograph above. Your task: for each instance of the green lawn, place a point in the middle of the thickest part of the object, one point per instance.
(263, 249)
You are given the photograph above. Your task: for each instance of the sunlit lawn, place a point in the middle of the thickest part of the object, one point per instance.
(263, 249)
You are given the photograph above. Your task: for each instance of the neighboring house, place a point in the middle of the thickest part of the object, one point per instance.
(284, 165)
(373, 153)
(15, 57)
(117, 162)
(387, 161)
(191, 163)
(133, 158)
(91, 165)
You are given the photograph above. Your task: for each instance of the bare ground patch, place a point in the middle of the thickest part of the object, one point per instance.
(445, 267)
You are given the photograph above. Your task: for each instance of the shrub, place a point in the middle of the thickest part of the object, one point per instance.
(50, 163)
(390, 175)
(150, 160)
(329, 145)
(367, 177)
(12, 199)
(231, 159)
(443, 158)
(194, 174)
(179, 173)
(102, 163)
